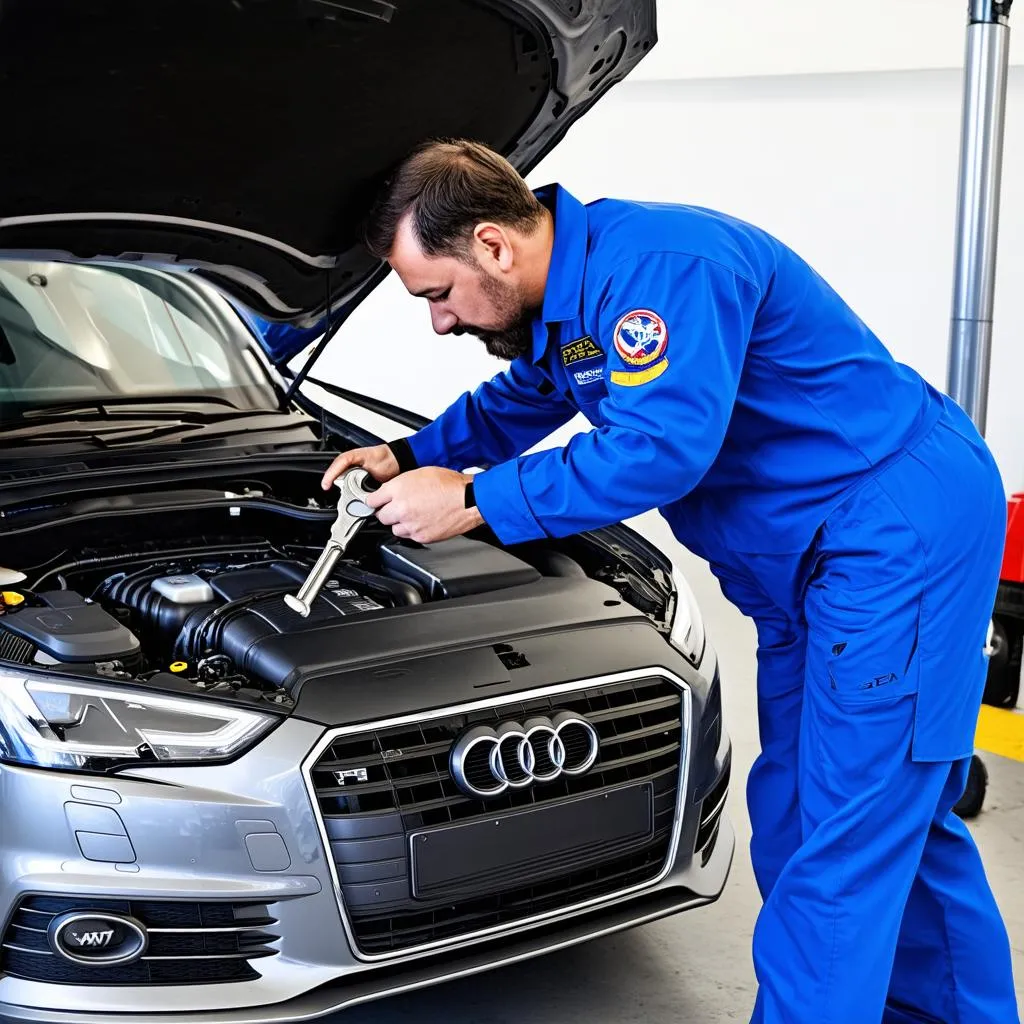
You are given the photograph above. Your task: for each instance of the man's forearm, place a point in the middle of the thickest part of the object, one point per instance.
(504, 417)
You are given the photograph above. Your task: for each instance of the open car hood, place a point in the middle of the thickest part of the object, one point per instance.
(243, 139)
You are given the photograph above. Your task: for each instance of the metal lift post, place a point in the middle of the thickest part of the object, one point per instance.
(977, 223)
(977, 230)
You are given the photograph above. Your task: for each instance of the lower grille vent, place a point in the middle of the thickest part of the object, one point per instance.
(386, 934)
(189, 943)
(711, 809)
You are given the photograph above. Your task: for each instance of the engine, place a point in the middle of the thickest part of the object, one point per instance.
(184, 589)
(221, 622)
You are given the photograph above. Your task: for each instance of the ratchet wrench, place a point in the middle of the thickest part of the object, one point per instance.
(352, 513)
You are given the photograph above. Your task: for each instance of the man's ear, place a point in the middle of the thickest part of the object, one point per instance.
(496, 243)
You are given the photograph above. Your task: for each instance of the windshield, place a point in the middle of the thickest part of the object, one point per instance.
(88, 333)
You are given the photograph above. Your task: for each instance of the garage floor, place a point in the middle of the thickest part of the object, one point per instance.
(694, 967)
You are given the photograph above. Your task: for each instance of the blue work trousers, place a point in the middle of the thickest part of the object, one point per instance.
(870, 674)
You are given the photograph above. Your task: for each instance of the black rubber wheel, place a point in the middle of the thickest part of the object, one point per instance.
(974, 793)
(1002, 683)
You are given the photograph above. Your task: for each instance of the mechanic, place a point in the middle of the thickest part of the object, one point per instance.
(849, 508)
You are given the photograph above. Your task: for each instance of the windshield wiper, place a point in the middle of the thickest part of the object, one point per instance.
(120, 435)
(119, 407)
(78, 431)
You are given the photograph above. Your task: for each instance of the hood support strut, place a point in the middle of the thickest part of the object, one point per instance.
(329, 332)
(332, 325)
(298, 379)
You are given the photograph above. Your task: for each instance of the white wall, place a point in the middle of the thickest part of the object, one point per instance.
(713, 39)
(855, 170)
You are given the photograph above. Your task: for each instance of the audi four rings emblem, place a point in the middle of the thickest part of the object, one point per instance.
(486, 761)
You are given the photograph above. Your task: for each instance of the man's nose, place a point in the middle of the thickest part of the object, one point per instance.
(442, 320)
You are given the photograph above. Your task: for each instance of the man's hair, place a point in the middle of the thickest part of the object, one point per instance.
(450, 186)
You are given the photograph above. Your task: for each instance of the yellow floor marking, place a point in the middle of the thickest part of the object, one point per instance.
(1000, 732)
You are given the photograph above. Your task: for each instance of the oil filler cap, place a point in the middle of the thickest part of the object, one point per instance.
(184, 589)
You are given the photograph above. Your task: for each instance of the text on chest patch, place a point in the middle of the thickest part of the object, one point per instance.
(580, 349)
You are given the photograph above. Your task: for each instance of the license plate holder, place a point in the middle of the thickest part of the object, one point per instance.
(479, 856)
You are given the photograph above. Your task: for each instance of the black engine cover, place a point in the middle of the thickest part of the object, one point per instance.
(196, 611)
(70, 630)
(247, 605)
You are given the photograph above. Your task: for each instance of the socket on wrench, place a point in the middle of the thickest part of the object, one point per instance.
(352, 513)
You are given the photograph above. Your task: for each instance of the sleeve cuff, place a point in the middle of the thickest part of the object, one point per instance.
(403, 453)
(426, 447)
(500, 500)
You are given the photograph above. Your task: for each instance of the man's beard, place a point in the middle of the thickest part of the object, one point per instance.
(509, 344)
(515, 340)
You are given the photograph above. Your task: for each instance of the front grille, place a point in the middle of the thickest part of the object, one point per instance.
(189, 943)
(397, 781)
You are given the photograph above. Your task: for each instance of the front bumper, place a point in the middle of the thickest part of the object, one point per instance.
(192, 832)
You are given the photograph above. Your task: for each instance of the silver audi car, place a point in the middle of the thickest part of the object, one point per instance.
(214, 808)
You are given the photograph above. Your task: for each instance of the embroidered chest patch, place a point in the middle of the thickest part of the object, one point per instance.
(579, 350)
(590, 375)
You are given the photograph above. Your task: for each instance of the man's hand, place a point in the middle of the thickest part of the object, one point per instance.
(426, 505)
(378, 461)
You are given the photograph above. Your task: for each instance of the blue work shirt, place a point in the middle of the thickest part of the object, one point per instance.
(729, 385)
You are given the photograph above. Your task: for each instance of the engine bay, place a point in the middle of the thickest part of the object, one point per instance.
(203, 609)
(202, 619)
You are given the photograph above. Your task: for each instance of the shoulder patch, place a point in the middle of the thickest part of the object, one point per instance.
(641, 337)
(580, 349)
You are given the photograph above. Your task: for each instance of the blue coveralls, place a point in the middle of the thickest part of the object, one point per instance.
(847, 507)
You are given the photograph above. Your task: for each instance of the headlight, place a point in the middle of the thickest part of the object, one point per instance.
(687, 634)
(50, 722)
